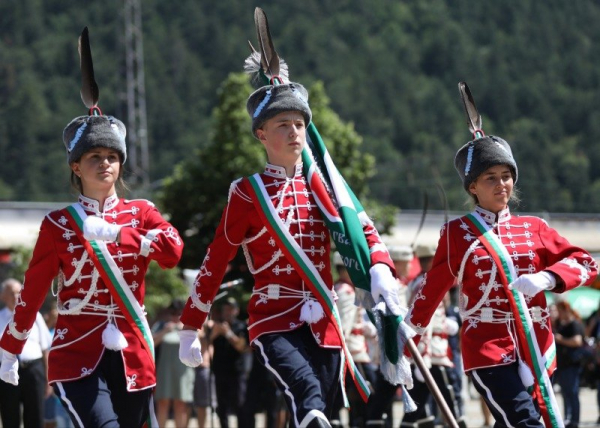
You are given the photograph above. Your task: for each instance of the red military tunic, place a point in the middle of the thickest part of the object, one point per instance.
(279, 292)
(488, 325)
(84, 301)
(433, 344)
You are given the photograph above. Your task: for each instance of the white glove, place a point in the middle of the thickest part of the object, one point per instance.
(531, 284)
(190, 352)
(384, 286)
(98, 228)
(9, 370)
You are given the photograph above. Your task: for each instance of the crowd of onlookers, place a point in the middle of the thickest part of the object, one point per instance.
(230, 383)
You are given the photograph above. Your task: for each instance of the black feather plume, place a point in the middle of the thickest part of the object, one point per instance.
(473, 117)
(422, 222)
(269, 57)
(89, 88)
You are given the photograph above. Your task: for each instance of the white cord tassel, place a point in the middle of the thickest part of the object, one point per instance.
(408, 402)
(311, 312)
(525, 374)
(112, 338)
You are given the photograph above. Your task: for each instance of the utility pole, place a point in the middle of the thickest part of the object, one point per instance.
(137, 131)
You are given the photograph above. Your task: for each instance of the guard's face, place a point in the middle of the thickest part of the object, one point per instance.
(98, 169)
(493, 188)
(284, 138)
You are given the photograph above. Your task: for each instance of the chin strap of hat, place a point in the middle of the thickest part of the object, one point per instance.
(89, 88)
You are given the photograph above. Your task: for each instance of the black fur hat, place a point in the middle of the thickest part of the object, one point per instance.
(270, 100)
(87, 132)
(478, 155)
(483, 152)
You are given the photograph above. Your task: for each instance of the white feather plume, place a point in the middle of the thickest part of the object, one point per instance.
(252, 67)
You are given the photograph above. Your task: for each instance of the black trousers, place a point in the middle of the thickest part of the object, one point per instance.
(308, 375)
(102, 400)
(30, 393)
(504, 393)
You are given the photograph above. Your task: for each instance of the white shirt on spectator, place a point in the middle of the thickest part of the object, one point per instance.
(39, 339)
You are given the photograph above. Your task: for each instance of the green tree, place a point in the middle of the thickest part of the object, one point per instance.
(196, 193)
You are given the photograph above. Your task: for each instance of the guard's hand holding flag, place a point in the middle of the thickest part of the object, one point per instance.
(384, 286)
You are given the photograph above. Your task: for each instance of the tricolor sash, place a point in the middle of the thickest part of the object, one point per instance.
(307, 271)
(527, 342)
(113, 279)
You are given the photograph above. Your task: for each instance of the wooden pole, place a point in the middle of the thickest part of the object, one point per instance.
(437, 394)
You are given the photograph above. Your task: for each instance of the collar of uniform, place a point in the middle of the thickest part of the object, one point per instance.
(490, 217)
(93, 205)
(279, 171)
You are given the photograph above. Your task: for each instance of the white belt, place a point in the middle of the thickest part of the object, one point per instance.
(495, 316)
(99, 310)
(277, 291)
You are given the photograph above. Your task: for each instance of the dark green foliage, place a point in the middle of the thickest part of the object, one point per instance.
(390, 68)
(196, 193)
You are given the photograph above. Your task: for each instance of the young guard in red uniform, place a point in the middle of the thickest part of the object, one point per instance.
(288, 329)
(101, 363)
(502, 264)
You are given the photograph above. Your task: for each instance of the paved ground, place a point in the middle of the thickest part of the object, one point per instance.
(474, 417)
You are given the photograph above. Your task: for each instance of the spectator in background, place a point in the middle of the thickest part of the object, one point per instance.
(379, 410)
(32, 390)
(229, 338)
(402, 256)
(592, 331)
(453, 313)
(204, 385)
(55, 415)
(434, 349)
(569, 335)
(352, 318)
(174, 380)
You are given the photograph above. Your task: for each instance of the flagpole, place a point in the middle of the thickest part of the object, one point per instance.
(435, 391)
